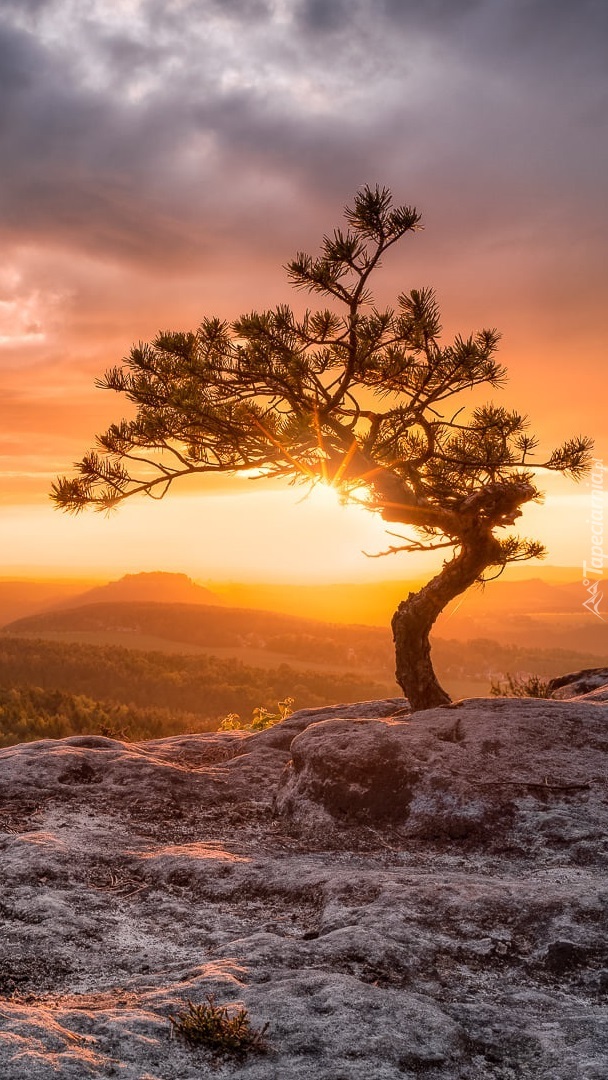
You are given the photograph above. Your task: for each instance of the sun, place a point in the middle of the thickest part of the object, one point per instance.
(325, 496)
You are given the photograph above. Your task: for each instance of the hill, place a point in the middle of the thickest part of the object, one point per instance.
(267, 641)
(156, 587)
(527, 613)
(518, 611)
(238, 631)
(20, 599)
(552, 589)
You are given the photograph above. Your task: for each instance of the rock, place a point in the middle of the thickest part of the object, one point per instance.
(356, 770)
(384, 941)
(599, 695)
(579, 683)
(282, 735)
(490, 772)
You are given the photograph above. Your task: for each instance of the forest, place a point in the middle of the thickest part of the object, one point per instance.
(269, 639)
(52, 689)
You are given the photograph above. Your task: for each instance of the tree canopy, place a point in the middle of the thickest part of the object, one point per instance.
(366, 398)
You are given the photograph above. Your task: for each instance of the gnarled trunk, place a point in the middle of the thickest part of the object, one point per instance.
(414, 619)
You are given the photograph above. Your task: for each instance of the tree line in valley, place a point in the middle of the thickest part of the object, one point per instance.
(28, 713)
(54, 689)
(348, 648)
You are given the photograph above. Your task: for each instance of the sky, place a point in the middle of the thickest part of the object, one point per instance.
(164, 159)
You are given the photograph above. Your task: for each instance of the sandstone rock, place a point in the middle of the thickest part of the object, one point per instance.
(282, 735)
(599, 695)
(137, 877)
(490, 772)
(578, 683)
(356, 770)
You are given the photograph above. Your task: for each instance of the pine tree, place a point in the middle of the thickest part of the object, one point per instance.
(363, 398)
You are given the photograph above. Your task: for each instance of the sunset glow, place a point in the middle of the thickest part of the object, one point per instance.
(163, 164)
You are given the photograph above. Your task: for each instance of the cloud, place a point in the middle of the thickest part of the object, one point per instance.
(319, 17)
(194, 146)
(163, 158)
(145, 129)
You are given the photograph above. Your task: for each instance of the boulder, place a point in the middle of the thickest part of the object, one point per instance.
(579, 683)
(490, 772)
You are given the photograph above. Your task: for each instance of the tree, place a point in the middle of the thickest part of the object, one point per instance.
(363, 398)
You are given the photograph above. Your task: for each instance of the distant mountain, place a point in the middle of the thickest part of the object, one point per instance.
(531, 613)
(532, 596)
(463, 648)
(19, 599)
(157, 587)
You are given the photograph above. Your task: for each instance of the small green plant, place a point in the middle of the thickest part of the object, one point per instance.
(224, 1030)
(232, 722)
(521, 686)
(262, 717)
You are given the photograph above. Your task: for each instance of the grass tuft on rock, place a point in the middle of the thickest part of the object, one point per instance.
(222, 1029)
(521, 686)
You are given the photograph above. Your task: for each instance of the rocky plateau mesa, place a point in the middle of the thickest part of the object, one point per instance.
(396, 895)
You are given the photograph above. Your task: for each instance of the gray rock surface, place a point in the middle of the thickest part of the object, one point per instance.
(580, 683)
(405, 899)
(527, 775)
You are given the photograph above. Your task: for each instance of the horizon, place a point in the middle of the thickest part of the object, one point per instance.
(311, 543)
(541, 571)
(480, 612)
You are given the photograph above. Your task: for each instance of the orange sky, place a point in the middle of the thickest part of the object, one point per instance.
(165, 161)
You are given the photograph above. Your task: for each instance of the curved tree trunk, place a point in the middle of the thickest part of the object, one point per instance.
(414, 618)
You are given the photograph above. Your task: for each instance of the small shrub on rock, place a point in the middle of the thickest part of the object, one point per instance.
(262, 718)
(223, 1030)
(521, 686)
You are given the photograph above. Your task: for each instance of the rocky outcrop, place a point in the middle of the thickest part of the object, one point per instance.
(581, 684)
(528, 774)
(282, 735)
(396, 896)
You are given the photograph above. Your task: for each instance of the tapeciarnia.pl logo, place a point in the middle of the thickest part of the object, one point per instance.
(593, 571)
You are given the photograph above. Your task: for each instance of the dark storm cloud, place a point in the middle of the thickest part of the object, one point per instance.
(23, 7)
(318, 16)
(73, 161)
(161, 126)
(431, 15)
(107, 170)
